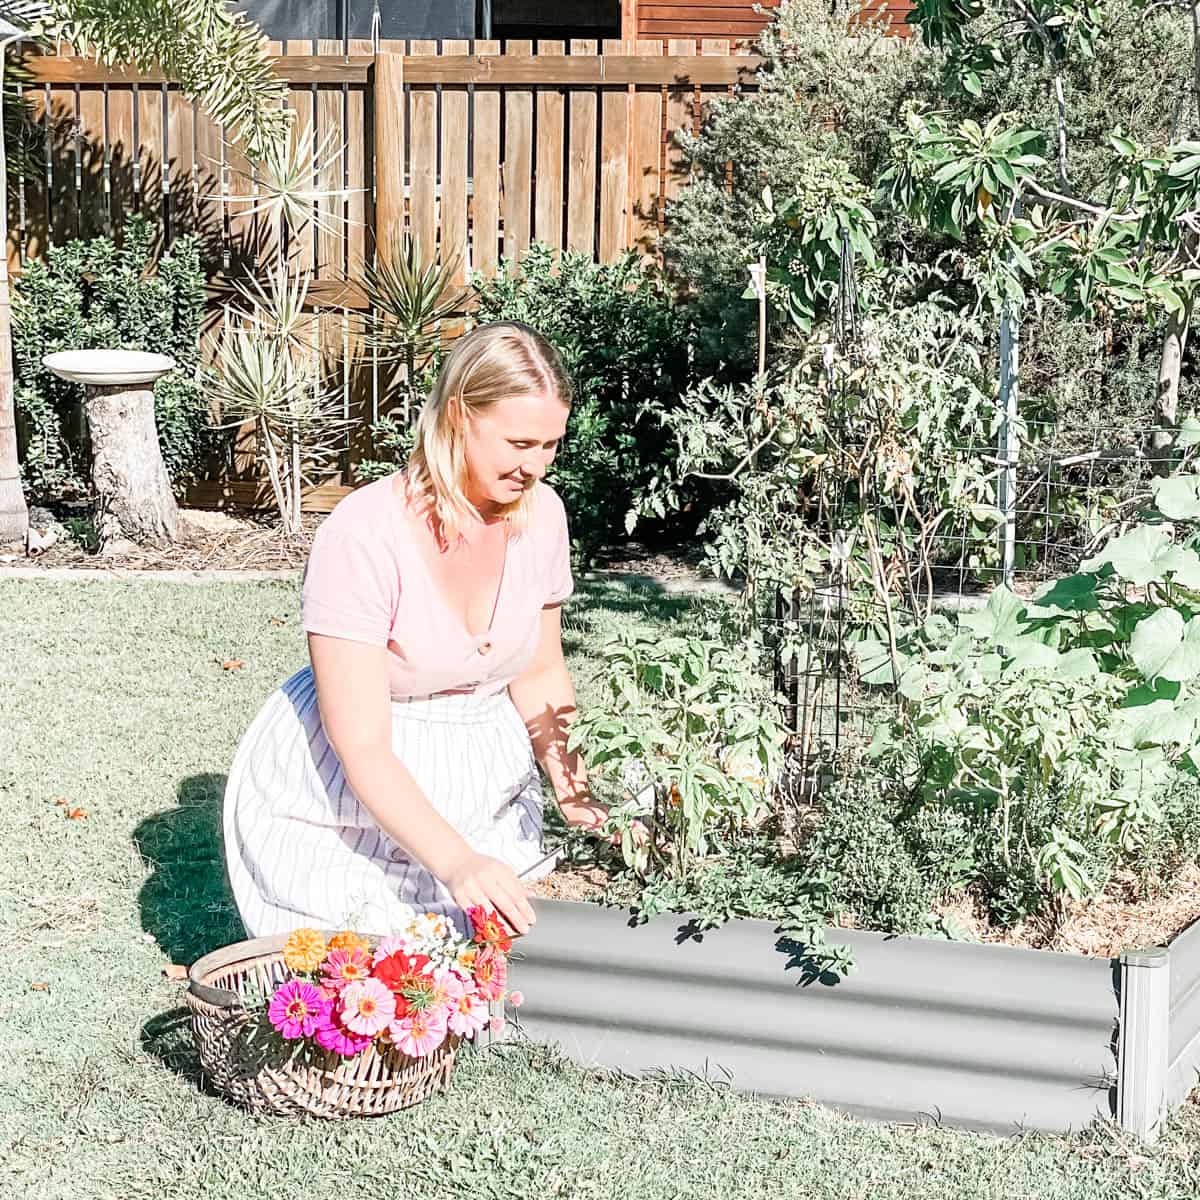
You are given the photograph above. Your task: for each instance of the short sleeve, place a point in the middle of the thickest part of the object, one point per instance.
(352, 581)
(559, 582)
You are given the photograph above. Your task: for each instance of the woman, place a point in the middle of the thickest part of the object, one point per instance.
(399, 769)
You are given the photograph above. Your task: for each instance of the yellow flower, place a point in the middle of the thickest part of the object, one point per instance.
(304, 950)
(349, 941)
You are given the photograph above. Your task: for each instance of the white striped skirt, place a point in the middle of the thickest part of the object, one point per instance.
(301, 849)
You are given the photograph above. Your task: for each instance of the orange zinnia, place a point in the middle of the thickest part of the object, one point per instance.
(349, 941)
(304, 950)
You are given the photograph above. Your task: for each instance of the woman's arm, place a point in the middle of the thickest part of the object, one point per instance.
(545, 698)
(352, 692)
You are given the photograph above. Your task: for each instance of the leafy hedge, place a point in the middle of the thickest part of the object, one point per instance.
(92, 294)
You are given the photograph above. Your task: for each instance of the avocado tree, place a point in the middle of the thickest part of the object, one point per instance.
(1136, 246)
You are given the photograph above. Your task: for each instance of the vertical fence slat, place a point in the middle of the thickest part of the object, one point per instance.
(517, 178)
(150, 151)
(423, 158)
(614, 163)
(647, 158)
(210, 210)
(678, 116)
(485, 172)
(64, 199)
(302, 252)
(548, 196)
(37, 233)
(121, 153)
(332, 141)
(389, 151)
(454, 168)
(93, 203)
(181, 166)
(359, 161)
(245, 227)
(360, 158)
(581, 174)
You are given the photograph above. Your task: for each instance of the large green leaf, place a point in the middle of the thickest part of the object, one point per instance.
(875, 662)
(1002, 622)
(1033, 656)
(1163, 646)
(1178, 497)
(1075, 593)
(1146, 554)
(1157, 724)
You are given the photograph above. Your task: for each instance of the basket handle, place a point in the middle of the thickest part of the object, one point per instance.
(228, 956)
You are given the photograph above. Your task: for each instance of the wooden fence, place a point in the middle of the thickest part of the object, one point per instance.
(474, 151)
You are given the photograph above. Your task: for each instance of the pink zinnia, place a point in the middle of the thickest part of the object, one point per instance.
(366, 1007)
(419, 1033)
(448, 986)
(345, 966)
(496, 1025)
(390, 945)
(332, 1034)
(491, 973)
(516, 999)
(469, 1015)
(296, 1009)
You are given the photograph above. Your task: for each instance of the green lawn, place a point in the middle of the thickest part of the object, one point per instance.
(114, 699)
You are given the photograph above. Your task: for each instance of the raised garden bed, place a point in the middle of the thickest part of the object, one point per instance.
(979, 1036)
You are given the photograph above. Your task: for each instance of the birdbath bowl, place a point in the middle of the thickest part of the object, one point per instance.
(108, 368)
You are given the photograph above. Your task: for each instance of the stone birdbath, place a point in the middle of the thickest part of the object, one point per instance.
(134, 501)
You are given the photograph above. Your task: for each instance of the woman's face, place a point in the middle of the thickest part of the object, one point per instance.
(510, 446)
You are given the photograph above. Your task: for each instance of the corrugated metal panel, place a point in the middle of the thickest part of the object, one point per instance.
(1183, 1047)
(984, 1037)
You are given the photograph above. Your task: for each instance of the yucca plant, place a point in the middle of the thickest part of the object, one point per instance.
(269, 355)
(284, 195)
(410, 299)
(269, 372)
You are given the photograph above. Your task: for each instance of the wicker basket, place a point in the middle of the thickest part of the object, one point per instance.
(303, 1078)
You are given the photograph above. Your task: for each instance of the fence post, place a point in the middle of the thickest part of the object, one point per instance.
(389, 152)
(1007, 447)
(1142, 1041)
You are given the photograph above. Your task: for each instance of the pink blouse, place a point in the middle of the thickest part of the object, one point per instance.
(366, 581)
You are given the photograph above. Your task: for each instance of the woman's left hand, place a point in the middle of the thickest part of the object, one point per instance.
(588, 814)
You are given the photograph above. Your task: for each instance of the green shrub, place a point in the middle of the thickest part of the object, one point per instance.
(816, 134)
(1062, 728)
(624, 343)
(92, 294)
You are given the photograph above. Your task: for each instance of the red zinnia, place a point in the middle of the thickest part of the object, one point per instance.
(403, 974)
(490, 928)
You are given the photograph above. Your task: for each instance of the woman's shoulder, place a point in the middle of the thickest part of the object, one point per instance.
(365, 514)
(549, 512)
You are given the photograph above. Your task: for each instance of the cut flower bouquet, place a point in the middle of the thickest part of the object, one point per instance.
(414, 990)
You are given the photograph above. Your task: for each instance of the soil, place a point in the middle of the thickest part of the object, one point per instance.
(207, 541)
(1120, 919)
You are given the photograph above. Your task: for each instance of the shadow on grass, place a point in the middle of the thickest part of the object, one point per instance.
(168, 1038)
(599, 604)
(186, 902)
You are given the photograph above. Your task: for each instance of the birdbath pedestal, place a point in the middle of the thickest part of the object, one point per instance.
(134, 501)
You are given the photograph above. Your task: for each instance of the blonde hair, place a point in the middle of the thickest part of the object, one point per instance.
(492, 362)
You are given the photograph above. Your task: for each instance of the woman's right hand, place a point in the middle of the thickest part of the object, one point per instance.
(477, 879)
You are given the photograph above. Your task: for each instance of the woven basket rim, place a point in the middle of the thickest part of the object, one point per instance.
(209, 964)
